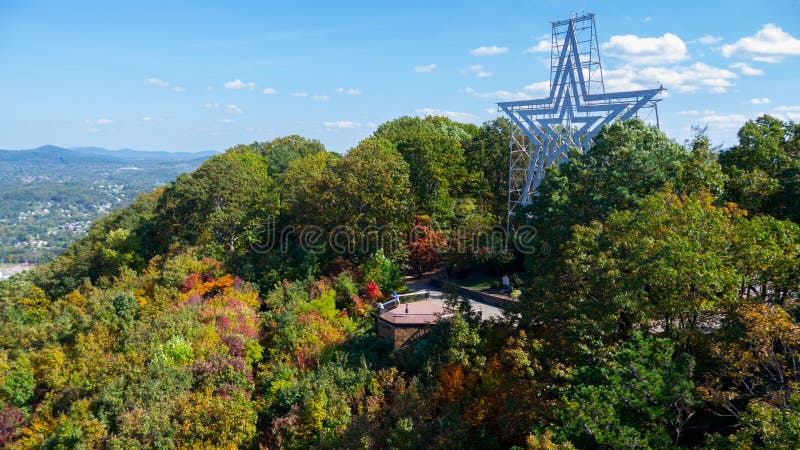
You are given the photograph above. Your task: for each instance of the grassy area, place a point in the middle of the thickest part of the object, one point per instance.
(480, 282)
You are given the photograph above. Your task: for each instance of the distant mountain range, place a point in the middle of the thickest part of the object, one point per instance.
(99, 154)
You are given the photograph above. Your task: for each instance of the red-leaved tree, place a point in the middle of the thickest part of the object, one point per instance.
(425, 246)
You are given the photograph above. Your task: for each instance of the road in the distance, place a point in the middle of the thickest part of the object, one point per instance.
(7, 270)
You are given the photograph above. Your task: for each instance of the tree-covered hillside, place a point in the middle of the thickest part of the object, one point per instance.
(234, 307)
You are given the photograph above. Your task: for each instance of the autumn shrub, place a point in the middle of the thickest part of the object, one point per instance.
(381, 270)
(11, 419)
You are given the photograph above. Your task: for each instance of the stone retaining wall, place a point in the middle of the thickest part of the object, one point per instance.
(500, 301)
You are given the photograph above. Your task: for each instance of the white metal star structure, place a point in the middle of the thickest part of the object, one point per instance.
(569, 117)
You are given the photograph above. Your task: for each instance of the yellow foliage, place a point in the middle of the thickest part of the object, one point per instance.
(754, 362)
(206, 422)
(33, 436)
(75, 298)
(545, 442)
(4, 367)
(48, 366)
(35, 299)
(207, 341)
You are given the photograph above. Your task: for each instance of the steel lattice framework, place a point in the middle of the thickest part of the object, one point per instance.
(571, 115)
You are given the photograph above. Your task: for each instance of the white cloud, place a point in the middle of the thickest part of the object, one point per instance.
(701, 74)
(746, 69)
(209, 88)
(320, 98)
(349, 91)
(541, 88)
(769, 44)
(459, 116)
(98, 125)
(491, 50)
(760, 101)
(543, 46)
(147, 119)
(270, 91)
(491, 111)
(679, 78)
(793, 112)
(341, 125)
(233, 109)
(690, 112)
(156, 82)
(211, 105)
(226, 121)
(648, 19)
(496, 95)
(239, 84)
(621, 79)
(477, 70)
(299, 94)
(724, 121)
(101, 121)
(708, 39)
(427, 68)
(633, 49)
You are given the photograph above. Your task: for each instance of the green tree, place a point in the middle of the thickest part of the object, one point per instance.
(365, 200)
(763, 425)
(763, 166)
(486, 159)
(380, 269)
(628, 161)
(433, 149)
(224, 203)
(280, 152)
(19, 382)
(301, 184)
(664, 265)
(767, 251)
(642, 398)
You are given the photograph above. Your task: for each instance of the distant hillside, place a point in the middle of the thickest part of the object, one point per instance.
(51, 153)
(145, 155)
(93, 153)
(49, 195)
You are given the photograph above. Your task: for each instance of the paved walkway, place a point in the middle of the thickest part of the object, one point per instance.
(487, 311)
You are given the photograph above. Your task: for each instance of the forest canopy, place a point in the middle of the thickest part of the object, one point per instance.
(658, 306)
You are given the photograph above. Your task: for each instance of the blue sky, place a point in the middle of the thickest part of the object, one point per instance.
(193, 76)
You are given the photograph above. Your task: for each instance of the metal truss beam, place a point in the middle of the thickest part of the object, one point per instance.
(572, 115)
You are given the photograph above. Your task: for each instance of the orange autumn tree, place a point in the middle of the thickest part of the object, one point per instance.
(425, 245)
